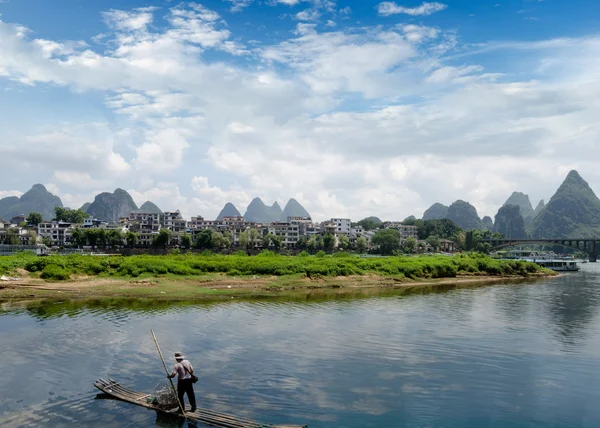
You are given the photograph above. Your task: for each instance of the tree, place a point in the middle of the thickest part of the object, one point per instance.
(46, 241)
(91, 236)
(343, 242)
(244, 239)
(388, 240)
(277, 242)
(369, 223)
(162, 239)
(70, 216)
(102, 238)
(12, 236)
(253, 236)
(34, 219)
(186, 240)
(60, 214)
(204, 239)
(361, 244)
(410, 244)
(313, 244)
(227, 239)
(218, 240)
(434, 241)
(131, 238)
(328, 242)
(115, 238)
(266, 241)
(302, 243)
(78, 237)
(31, 237)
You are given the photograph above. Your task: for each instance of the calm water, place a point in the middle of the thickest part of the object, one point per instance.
(525, 355)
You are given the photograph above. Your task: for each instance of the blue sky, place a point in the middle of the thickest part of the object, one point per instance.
(354, 108)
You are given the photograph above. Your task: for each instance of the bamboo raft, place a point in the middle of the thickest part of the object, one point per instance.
(115, 390)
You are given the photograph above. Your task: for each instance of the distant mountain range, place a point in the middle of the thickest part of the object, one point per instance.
(573, 211)
(259, 212)
(37, 199)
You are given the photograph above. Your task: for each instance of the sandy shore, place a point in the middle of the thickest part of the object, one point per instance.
(227, 287)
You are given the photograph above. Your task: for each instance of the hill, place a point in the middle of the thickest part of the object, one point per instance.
(258, 212)
(435, 212)
(488, 223)
(150, 208)
(540, 206)
(293, 209)
(85, 207)
(522, 201)
(370, 223)
(573, 211)
(464, 215)
(510, 222)
(112, 206)
(37, 199)
(229, 210)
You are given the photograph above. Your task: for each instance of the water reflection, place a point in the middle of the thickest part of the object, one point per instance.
(573, 306)
(518, 355)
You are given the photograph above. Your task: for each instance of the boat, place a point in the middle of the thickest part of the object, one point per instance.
(547, 260)
(115, 390)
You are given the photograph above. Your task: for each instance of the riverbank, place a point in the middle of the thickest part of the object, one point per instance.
(223, 287)
(213, 277)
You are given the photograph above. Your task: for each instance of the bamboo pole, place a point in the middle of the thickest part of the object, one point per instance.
(167, 371)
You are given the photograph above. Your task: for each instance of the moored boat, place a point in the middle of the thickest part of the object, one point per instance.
(548, 260)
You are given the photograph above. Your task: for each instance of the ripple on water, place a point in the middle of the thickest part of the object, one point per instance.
(510, 355)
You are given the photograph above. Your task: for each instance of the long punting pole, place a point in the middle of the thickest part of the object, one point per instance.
(167, 371)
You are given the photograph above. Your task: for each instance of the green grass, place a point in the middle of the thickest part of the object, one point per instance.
(265, 264)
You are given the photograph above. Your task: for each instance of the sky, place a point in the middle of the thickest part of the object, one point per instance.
(353, 107)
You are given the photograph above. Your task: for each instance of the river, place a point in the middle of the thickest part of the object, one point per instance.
(518, 355)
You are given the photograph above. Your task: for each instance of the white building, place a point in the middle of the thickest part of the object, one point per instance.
(173, 221)
(342, 225)
(405, 231)
(58, 232)
(288, 232)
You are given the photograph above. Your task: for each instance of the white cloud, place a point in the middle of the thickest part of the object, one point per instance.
(163, 152)
(387, 8)
(356, 121)
(419, 33)
(137, 20)
(8, 193)
(239, 5)
(336, 61)
(308, 15)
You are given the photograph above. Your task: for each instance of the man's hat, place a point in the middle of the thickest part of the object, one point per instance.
(179, 356)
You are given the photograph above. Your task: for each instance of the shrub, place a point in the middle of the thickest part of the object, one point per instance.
(55, 272)
(320, 254)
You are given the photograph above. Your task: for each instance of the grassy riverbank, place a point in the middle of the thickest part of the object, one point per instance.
(209, 276)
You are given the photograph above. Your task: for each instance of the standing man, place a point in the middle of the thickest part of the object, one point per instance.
(184, 370)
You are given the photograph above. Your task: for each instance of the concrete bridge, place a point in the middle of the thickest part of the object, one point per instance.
(588, 245)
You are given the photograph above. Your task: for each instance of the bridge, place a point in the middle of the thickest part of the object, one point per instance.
(588, 245)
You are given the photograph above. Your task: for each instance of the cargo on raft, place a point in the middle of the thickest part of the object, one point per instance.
(115, 390)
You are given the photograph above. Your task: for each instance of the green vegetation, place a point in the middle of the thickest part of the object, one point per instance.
(388, 240)
(34, 219)
(70, 216)
(266, 263)
(370, 223)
